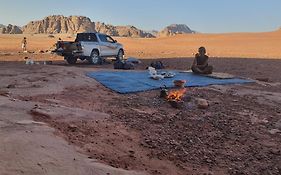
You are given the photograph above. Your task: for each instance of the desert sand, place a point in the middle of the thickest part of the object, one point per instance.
(234, 45)
(56, 120)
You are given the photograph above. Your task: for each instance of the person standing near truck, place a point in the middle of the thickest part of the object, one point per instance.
(24, 44)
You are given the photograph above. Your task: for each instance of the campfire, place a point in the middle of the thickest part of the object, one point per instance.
(175, 97)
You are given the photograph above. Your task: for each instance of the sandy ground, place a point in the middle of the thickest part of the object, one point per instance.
(55, 120)
(239, 45)
(29, 147)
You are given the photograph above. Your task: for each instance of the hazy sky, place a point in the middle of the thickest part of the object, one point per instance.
(210, 16)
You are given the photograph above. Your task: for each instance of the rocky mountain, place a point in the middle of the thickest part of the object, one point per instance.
(175, 29)
(123, 31)
(153, 32)
(59, 24)
(131, 31)
(10, 29)
(106, 28)
(2, 26)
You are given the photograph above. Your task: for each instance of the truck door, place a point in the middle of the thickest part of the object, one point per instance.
(88, 41)
(107, 45)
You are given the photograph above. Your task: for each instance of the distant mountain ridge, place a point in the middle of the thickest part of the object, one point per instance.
(10, 29)
(2, 26)
(175, 29)
(153, 32)
(123, 31)
(59, 24)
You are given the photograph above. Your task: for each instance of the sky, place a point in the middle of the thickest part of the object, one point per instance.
(206, 16)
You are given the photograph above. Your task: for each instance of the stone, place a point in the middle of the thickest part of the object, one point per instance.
(278, 124)
(29, 122)
(263, 79)
(11, 86)
(72, 127)
(274, 131)
(202, 103)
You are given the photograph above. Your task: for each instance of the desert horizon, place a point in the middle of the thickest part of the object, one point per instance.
(233, 45)
(189, 29)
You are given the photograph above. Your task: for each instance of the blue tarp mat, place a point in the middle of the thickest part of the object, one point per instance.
(138, 81)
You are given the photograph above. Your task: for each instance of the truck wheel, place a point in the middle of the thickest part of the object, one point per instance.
(95, 58)
(71, 60)
(120, 55)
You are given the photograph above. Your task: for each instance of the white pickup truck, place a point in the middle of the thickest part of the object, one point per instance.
(90, 46)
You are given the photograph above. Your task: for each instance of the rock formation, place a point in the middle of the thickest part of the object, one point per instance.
(122, 31)
(131, 31)
(10, 29)
(106, 28)
(153, 32)
(175, 29)
(60, 24)
(75, 24)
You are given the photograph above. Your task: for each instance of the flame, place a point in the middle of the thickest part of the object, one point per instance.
(176, 94)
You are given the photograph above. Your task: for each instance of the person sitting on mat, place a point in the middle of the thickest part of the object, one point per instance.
(200, 64)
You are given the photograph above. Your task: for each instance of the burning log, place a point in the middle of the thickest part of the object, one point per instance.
(176, 94)
(175, 98)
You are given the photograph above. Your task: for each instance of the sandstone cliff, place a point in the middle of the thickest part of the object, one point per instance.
(60, 24)
(75, 24)
(10, 29)
(122, 31)
(106, 28)
(131, 31)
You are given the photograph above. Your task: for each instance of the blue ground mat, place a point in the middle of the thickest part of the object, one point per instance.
(137, 81)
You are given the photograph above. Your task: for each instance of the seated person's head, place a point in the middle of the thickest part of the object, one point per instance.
(202, 51)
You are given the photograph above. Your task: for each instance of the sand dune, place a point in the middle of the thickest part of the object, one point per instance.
(247, 45)
(250, 45)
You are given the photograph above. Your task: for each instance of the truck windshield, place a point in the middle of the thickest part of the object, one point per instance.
(106, 38)
(86, 37)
